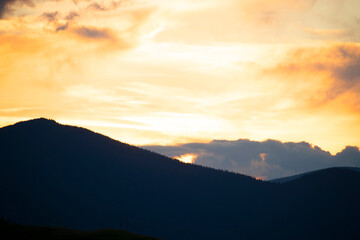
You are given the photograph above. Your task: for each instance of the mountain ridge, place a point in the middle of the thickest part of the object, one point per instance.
(66, 176)
(297, 176)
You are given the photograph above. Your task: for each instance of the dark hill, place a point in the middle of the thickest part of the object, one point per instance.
(323, 204)
(66, 176)
(10, 231)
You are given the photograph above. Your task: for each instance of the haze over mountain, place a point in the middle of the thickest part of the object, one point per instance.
(66, 176)
(268, 159)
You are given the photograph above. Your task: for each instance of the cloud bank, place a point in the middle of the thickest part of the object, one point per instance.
(267, 160)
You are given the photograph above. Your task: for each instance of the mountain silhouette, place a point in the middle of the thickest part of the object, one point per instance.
(10, 231)
(65, 176)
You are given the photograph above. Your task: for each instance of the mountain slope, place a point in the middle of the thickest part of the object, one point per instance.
(71, 177)
(297, 176)
(65, 176)
(323, 204)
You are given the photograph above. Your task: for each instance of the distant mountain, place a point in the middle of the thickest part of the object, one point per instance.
(66, 176)
(291, 178)
(295, 177)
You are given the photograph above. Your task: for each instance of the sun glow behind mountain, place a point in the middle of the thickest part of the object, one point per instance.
(187, 158)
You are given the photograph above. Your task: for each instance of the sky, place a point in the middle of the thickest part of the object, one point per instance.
(160, 72)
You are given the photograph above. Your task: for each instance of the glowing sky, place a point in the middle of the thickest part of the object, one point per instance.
(165, 72)
(187, 158)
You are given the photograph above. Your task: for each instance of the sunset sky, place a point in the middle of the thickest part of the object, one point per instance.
(178, 71)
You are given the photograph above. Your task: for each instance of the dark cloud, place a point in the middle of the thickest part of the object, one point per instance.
(97, 6)
(8, 5)
(62, 27)
(5, 4)
(50, 16)
(348, 70)
(59, 22)
(94, 33)
(102, 7)
(71, 15)
(268, 159)
(348, 157)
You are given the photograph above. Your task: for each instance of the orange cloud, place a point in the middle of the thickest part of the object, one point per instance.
(327, 32)
(263, 156)
(271, 12)
(330, 71)
(65, 24)
(14, 49)
(94, 33)
(103, 7)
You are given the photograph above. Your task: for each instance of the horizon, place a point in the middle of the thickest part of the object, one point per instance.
(262, 160)
(186, 71)
(178, 143)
